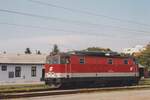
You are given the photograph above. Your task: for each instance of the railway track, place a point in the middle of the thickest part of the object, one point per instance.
(69, 91)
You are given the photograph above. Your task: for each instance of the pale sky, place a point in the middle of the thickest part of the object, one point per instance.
(73, 24)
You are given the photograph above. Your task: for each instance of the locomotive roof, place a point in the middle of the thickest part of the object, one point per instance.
(93, 53)
(90, 53)
(98, 53)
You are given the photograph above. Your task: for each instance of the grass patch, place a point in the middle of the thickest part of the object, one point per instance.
(23, 88)
(40, 87)
(20, 86)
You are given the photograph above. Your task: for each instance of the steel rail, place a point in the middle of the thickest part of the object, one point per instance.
(73, 91)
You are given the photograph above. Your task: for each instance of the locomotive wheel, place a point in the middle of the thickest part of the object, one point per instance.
(56, 84)
(52, 85)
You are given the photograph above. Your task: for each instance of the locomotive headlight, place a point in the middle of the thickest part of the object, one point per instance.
(51, 75)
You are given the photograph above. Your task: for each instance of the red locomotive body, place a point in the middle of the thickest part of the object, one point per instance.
(90, 68)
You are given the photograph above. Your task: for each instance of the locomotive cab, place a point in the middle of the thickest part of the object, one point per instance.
(56, 69)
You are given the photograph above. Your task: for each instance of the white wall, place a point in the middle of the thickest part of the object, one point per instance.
(25, 74)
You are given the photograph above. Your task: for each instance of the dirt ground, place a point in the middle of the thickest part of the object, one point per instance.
(113, 95)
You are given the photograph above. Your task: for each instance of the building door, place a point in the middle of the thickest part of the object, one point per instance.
(43, 75)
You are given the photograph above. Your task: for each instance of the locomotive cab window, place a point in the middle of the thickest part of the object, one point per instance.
(110, 61)
(53, 60)
(64, 60)
(48, 60)
(126, 61)
(82, 61)
(57, 59)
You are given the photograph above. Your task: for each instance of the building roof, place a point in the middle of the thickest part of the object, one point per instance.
(22, 58)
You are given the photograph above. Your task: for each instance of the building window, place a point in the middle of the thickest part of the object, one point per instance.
(110, 61)
(82, 60)
(33, 71)
(11, 74)
(4, 68)
(125, 61)
(18, 72)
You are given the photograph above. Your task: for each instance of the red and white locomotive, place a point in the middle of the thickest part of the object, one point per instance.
(84, 67)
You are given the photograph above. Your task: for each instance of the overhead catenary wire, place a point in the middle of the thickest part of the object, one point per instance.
(90, 33)
(67, 21)
(50, 29)
(38, 27)
(89, 13)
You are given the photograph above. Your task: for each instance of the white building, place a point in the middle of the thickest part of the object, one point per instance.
(21, 68)
(137, 48)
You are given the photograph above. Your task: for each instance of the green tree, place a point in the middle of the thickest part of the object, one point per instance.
(28, 51)
(55, 49)
(97, 49)
(144, 57)
(39, 52)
